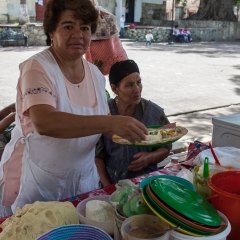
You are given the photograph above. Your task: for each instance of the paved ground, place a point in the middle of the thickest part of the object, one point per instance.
(192, 82)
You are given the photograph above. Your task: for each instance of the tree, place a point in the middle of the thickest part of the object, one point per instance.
(218, 10)
(23, 16)
(237, 4)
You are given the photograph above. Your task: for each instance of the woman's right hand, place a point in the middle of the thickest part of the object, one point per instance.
(128, 128)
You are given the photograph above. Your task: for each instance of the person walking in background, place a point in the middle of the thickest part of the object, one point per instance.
(187, 34)
(179, 35)
(149, 38)
(122, 26)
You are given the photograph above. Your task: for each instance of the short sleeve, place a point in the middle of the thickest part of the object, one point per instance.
(163, 119)
(99, 151)
(35, 86)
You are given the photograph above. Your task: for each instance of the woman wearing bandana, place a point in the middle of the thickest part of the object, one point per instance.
(114, 161)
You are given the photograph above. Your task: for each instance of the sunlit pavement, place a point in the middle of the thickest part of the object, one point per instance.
(192, 82)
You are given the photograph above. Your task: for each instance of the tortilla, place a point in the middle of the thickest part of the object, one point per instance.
(166, 135)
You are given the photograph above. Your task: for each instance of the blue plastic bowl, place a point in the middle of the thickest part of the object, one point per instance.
(75, 232)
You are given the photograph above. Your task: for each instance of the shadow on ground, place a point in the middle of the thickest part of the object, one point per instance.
(212, 50)
(236, 80)
(23, 49)
(201, 122)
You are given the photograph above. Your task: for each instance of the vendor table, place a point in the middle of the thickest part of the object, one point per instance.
(110, 189)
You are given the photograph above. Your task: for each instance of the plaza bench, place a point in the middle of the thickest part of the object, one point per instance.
(11, 36)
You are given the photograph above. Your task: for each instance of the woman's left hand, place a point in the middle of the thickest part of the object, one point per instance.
(142, 160)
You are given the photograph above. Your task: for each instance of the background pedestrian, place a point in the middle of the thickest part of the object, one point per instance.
(122, 26)
(149, 38)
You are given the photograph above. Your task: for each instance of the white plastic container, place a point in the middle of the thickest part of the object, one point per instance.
(119, 219)
(220, 236)
(144, 222)
(226, 131)
(108, 227)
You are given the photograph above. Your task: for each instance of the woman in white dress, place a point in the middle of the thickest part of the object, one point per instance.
(61, 110)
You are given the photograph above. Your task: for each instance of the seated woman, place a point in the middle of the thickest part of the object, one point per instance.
(114, 161)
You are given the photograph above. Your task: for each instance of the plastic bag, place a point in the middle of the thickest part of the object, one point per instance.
(186, 174)
(200, 182)
(228, 157)
(195, 148)
(125, 183)
(130, 201)
(115, 196)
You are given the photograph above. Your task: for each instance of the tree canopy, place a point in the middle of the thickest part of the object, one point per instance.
(236, 2)
(216, 10)
(184, 2)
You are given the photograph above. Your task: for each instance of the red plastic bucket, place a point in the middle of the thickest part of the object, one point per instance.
(225, 197)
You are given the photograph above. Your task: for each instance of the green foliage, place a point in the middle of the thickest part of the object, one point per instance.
(236, 2)
(184, 2)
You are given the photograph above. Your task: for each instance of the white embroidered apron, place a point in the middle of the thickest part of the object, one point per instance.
(54, 168)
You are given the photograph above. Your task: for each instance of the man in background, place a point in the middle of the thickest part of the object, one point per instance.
(122, 26)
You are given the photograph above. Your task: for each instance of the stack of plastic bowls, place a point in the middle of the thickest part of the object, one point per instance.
(180, 206)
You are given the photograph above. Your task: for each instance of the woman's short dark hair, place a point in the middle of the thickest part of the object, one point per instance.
(83, 9)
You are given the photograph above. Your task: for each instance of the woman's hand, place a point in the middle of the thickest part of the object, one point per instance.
(7, 110)
(128, 128)
(145, 158)
(142, 160)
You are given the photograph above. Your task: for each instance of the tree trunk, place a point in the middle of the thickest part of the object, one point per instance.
(23, 16)
(218, 10)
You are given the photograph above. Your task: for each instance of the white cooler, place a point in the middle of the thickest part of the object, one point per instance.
(226, 131)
